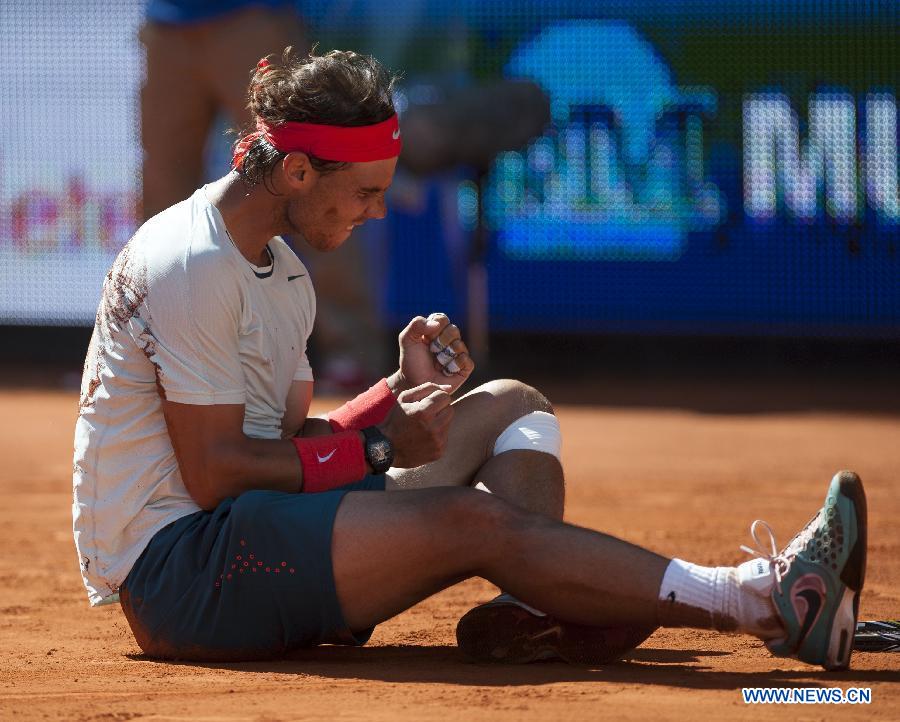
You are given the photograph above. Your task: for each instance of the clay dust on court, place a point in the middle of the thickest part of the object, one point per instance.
(682, 482)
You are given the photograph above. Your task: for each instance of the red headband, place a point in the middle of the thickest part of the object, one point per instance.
(357, 144)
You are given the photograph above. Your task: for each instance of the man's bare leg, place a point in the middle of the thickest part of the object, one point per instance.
(504, 629)
(390, 551)
(529, 479)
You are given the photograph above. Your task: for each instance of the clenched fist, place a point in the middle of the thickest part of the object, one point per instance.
(432, 351)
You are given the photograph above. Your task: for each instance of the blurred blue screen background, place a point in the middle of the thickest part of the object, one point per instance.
(711, 167)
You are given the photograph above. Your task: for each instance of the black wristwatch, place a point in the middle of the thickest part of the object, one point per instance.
(379, 452)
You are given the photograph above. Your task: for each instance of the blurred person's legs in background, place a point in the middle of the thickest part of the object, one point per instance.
(194, 72)
(177, 110)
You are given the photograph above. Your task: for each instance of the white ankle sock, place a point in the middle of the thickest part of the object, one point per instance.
(729, 599)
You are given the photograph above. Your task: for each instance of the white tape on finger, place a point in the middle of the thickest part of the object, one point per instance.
(445, 356)
(436, 346)
(537, 431)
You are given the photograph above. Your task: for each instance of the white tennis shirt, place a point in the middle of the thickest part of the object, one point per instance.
(185, 314)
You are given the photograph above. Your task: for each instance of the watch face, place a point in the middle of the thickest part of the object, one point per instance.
(379, 452)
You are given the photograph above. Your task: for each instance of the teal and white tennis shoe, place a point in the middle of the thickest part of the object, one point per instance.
(817, 578)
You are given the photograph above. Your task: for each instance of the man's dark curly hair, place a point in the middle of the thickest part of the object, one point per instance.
(338, 88)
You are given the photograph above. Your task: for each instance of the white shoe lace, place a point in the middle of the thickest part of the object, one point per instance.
(780, 561)
(777, 562)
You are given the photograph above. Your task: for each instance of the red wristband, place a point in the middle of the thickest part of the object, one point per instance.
(330, 461)
(370, 408)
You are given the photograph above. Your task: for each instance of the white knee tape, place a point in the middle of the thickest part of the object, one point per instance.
(537, 431)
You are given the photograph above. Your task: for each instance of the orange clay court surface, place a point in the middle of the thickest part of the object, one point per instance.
(683, 482)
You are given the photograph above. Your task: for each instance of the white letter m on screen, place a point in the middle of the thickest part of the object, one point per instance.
(776, 161)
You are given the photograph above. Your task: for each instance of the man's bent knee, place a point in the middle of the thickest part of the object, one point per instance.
(516, 398)
(525, 419)
(508, 400)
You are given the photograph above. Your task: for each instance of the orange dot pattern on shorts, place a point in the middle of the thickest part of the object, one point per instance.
(240, 564)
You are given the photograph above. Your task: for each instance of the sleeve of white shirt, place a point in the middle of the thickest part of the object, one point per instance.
(304, 370)
(194, 325)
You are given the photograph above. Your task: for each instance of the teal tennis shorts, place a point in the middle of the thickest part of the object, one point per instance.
(251, 579)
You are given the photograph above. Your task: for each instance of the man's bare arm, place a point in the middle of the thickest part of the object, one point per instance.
(297, 422)
(217, 460)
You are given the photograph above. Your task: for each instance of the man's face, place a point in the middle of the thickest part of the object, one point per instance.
(334, 203)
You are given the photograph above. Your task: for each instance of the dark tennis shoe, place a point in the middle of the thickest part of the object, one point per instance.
(508, 631)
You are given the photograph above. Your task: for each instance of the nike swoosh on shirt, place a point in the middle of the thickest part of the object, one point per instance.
(323, 459)
(299, 275)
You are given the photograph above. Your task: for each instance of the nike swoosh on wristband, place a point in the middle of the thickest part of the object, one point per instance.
(396, 134)
(323, 459)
